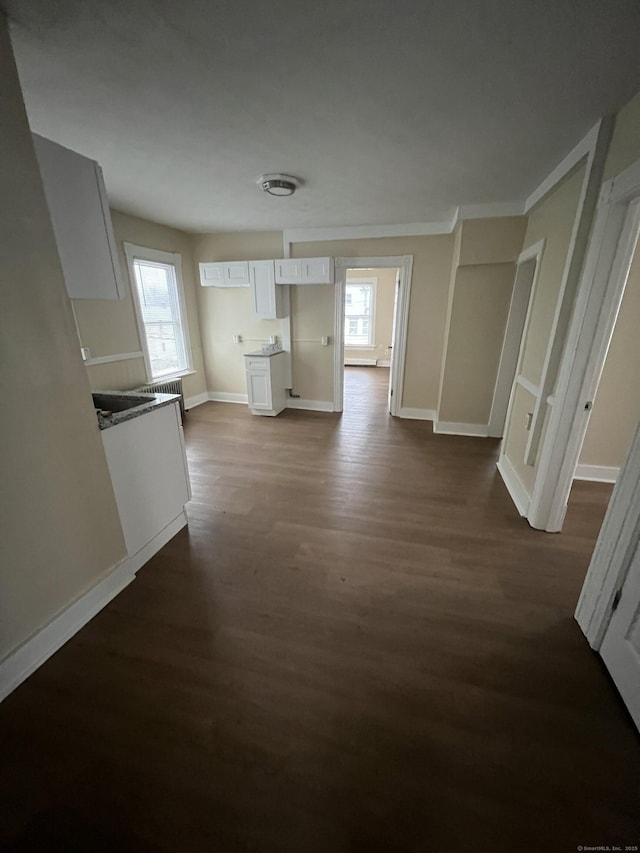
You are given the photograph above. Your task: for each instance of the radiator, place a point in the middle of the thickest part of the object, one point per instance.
(363, 362)
(172, 386)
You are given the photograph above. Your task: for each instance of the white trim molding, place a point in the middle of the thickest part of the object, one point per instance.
(364, 232)
(453, 428)
(360, 362)
(514, 486)
(310, 405)
(597, 473)
(24, 660)
(227, 397)
(417, 414)
(196, 400)
(107, 359)
(577, 153)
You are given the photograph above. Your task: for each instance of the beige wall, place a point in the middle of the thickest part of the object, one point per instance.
(383, 317)
(625, 142)
(226, 311)
(552, 220)
(616, 409)
(109, 327)
(427, 314)
(60, 530)
(480, 293)
(478, 320)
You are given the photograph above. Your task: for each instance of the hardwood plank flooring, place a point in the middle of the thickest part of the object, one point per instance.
(357, 645)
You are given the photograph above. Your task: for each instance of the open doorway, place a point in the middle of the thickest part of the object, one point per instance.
(370, 302)
(371, 318)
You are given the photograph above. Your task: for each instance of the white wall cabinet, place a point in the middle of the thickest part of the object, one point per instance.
(266, 296)
(305, 271)
(148, 468)
(77, 200)
(225, 274)
(266, 380)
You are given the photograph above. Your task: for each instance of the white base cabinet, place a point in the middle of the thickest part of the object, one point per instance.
(148, 467)
(266, 380)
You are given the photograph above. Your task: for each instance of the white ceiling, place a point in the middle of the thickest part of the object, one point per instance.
(389, 112)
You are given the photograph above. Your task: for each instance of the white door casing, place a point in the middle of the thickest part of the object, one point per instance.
(404, 263)
(613, 241)
(524, 286)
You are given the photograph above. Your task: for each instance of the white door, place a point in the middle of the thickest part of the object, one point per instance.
(620, 649)
(393, 341)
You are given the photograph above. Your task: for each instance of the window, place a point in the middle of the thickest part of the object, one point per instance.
(156, 282)
(359, 307)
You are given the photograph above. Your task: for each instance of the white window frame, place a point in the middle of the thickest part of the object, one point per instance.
(373, 282)
(142, 253)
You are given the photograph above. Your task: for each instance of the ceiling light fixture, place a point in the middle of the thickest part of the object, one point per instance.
(278, 185)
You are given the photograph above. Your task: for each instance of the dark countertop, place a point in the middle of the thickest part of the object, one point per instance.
(153, 401)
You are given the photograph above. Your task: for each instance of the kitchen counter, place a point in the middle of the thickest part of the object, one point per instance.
(150, 403)
(260, 354)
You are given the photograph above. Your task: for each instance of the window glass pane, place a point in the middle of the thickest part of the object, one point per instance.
(357, 311)
(160, 310)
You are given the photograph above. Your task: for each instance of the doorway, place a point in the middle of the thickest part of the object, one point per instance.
(371, 317)
(370, 303)
(510, 366)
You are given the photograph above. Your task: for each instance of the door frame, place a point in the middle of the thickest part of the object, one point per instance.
(514, 337)
(404, 263)
(613, 240)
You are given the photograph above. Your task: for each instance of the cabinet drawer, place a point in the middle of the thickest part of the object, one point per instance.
(259, 364)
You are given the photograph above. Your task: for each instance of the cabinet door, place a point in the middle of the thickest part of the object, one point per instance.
(288, 271)
(81, 221)
(212, 275)
(317, 271)
(266, 296)
(236, 273)
(259, 389)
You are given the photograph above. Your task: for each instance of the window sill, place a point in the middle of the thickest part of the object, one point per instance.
(167, 377)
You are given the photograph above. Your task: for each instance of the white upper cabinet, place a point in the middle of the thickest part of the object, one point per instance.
(77, 200)
(225, 274)
(288, 271)
(266, 296)
(305, 271)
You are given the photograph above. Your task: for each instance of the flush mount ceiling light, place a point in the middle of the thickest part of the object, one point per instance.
(280, 185)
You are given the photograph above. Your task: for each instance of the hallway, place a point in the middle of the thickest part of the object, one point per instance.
(357, 645)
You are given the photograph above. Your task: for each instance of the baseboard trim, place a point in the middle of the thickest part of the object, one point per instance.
(513, 483)
(227, 397)
(196, 400)
(137, 560)
(417, 414)
(24, 660)
(597, 473)
(360, 362)
(452, 428)
(383, 362)
(310, 405)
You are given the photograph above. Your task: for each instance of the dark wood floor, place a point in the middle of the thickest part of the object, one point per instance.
(357, 645)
